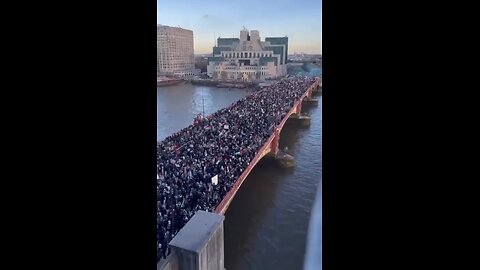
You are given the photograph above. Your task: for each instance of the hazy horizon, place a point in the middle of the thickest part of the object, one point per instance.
(300, 21)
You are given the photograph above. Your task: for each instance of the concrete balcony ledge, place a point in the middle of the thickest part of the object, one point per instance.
(199, 244)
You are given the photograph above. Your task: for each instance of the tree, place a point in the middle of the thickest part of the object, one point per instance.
(257, 75)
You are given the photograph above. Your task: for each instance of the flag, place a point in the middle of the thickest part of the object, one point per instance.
(215, 180)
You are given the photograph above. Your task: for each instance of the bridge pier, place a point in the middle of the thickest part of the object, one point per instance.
(282, 159)
(310, 101)
(317, 90)
(302, 120)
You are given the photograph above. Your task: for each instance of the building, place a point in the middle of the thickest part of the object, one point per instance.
(248, 58)
(175, 51)
(201, 63)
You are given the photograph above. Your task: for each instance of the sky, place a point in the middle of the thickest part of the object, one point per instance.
(300, 20)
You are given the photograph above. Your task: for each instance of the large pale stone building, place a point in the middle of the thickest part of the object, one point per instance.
(248, 58)
(175, 51)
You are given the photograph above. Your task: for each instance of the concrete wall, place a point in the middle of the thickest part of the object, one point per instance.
(188, 259)
(313, 256)
(212, 256)
(199, 245)
(171, 263)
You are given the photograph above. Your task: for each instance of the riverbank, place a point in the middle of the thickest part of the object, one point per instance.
(223, 84)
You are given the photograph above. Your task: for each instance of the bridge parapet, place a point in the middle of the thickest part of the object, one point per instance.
(199, 245)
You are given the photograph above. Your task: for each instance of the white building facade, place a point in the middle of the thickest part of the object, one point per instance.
(248, 58)
(175, 55)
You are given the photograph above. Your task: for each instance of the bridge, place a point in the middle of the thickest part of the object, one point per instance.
(199, 245)
(271, 145)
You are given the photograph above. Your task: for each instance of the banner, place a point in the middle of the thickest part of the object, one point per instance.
(215, 180)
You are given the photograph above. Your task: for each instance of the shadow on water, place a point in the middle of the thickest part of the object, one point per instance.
(253, 205)
(249, 209)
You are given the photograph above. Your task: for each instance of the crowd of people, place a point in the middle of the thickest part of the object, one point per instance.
(221, 145)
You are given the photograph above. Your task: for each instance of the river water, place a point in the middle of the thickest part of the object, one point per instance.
(266, 224)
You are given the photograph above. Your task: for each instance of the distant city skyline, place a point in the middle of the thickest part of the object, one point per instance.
(301, 21)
